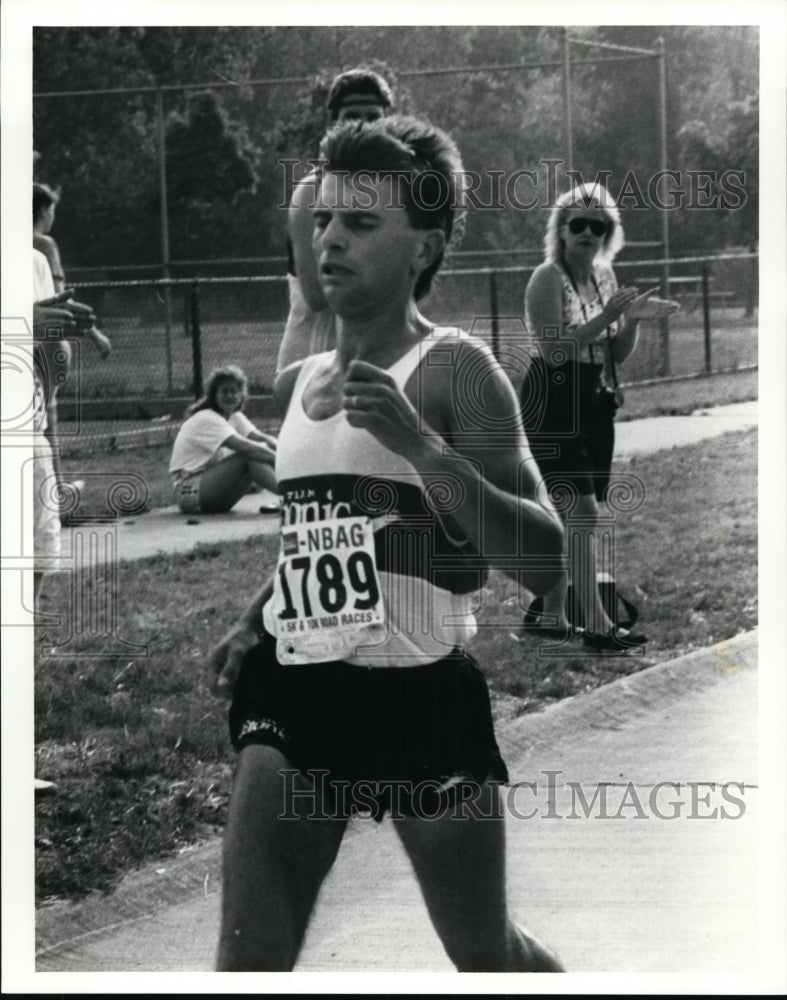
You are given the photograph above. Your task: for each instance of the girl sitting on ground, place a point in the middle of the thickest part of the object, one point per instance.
(218, 452)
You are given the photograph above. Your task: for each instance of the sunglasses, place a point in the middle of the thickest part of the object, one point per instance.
(597, 227)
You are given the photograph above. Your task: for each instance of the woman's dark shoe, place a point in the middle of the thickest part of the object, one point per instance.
(619, 640)
(533, 622)
(533, 614)
(560, 634)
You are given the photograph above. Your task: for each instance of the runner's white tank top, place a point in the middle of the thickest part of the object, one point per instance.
(326, 470)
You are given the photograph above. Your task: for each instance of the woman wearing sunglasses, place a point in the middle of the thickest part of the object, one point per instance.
(585, 326)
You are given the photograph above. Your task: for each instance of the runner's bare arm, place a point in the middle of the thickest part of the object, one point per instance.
(489, 464)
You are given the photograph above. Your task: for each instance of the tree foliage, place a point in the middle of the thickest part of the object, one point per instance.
(227, 143)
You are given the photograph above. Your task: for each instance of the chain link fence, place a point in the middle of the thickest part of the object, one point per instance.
(168, 335)
(161, 329)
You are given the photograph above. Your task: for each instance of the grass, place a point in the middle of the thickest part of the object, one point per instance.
(733, 344)
(143, 469)
(687, 558)
(138, 745)
(687, 395)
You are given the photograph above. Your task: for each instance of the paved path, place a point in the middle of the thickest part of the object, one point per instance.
(617, 890)
(656, 433)
(168, 530)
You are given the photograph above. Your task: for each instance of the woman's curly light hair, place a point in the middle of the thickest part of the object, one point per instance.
(585, 196)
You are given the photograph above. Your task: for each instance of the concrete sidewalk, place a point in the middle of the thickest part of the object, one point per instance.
(168, 530)
(616, 869)
(641, 437)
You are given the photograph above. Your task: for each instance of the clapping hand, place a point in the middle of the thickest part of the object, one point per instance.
(61, 311)
(618, 303)
(649, 306)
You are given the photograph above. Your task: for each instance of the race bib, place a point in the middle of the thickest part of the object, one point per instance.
(326, 595)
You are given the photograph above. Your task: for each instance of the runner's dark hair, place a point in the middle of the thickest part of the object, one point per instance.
(424, 161)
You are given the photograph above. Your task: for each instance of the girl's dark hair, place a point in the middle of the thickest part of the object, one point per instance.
(227, 373)
(424, 162)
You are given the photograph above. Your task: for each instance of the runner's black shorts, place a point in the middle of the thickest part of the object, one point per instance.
(373, 739)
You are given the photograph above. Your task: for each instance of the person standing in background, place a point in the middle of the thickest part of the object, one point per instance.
(585, 326)
(45, 201)
(359, 94)
(57, 352)
(52, 315)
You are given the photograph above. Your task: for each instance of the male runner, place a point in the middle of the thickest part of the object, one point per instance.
(404, 473)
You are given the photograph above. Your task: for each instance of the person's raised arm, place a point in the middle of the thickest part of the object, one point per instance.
(300, 226)
(307, 305)
(60, 312)
(283, 386)
(48, 247)
(101, 342)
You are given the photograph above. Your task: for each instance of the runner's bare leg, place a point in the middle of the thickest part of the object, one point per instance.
(459, 860)
(273, 867)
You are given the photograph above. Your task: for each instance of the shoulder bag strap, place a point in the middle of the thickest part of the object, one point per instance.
(612, 367)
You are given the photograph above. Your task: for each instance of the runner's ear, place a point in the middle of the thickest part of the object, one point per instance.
(431, 243)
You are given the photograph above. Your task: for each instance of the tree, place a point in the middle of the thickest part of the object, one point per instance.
(742, 153)
(103, 150)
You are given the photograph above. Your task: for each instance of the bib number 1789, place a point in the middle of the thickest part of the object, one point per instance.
(328, 581)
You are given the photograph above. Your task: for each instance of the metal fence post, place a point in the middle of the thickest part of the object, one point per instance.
(196, 341)
(493, 308)
(706, 315)
(751, 288)
(664, 327)
(164, 215)
(168, 338)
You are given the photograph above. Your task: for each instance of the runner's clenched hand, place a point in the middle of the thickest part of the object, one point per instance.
(374, 402)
